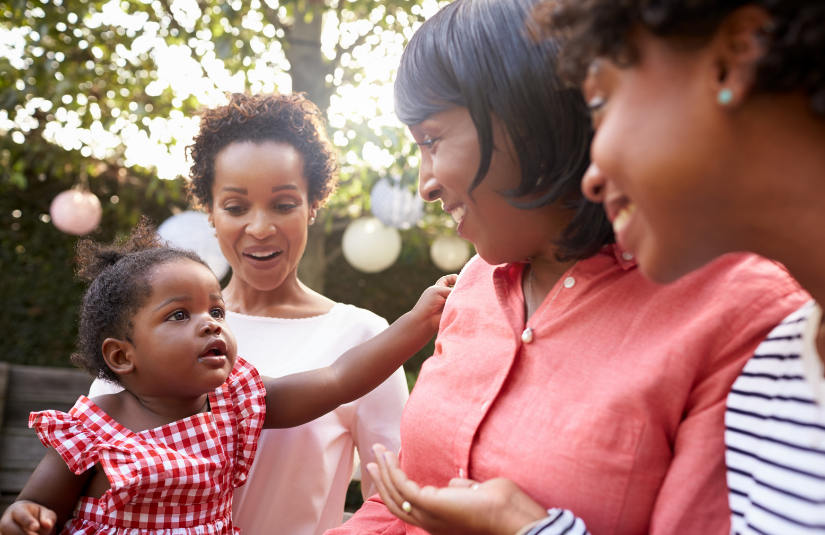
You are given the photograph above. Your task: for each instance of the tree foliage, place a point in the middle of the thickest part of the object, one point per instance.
(103, 95)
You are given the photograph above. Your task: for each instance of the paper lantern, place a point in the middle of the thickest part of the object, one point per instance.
(76, 212)
(191, 230)
(370, 246)
(449, 253)
(395, 205)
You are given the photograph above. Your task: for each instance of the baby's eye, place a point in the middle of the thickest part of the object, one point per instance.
(178, 315)
(217, 313)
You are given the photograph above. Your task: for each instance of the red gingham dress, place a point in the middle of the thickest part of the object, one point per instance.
(177, 479)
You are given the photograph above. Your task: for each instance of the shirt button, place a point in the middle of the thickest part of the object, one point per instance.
(569, 282)
(627, 256)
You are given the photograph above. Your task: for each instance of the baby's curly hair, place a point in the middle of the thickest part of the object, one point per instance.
(290, 119)
(118, 274)
(795, 60)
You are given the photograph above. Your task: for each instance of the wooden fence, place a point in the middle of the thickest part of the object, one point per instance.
(24, 389)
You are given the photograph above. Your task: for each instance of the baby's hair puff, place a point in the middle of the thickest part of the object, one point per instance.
(118, 276)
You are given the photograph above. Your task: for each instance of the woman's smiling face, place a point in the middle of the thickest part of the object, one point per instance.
(261, 211)
(450, 157)
(661, 156)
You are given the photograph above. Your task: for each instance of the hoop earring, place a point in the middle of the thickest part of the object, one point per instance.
(725, 97)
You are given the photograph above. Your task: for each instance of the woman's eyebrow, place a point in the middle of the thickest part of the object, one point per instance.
(242, 191)
(279, 188)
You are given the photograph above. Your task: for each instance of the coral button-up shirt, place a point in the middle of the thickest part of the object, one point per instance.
(615, 410)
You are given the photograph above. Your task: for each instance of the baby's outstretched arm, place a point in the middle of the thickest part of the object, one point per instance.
(47, 500)
(302, 397)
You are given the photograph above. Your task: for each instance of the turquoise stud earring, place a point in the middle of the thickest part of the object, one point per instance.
(725, 96)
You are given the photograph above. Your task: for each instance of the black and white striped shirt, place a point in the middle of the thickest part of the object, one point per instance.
(559, 522)
(775, 434)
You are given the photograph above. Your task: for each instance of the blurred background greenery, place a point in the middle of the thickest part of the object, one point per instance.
(103, 95)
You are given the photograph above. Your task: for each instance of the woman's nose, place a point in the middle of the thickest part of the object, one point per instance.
(261, 225)
(429, 188)
(593, 184)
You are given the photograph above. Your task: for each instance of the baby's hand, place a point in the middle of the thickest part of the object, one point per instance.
(27, 518)
(431, 303)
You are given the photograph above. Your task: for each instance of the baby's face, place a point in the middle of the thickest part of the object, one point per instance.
(182, 344)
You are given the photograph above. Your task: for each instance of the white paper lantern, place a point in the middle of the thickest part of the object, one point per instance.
(449, 253)
(191, 230)
(395, 205)
(370, 246)
(76, 212)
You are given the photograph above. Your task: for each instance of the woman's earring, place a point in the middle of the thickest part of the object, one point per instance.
(311, 220)
(725, 97)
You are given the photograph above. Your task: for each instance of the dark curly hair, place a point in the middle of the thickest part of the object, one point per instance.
(795, 59)
(290, 119)
(118, 274)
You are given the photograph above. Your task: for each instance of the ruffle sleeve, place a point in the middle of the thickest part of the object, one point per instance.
(248, 396)
(78, 444)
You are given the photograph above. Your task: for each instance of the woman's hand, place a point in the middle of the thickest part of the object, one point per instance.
(495, 507)
(431, 303)
(27, 518)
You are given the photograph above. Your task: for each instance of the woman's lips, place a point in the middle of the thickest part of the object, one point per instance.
(262, 259)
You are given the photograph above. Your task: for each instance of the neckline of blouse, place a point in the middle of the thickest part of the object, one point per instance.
(335, 308)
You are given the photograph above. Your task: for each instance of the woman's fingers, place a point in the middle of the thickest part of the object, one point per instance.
(389, 495)
(383, 466)
(459, 482)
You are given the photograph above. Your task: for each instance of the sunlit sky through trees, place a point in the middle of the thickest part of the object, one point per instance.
(194, 69)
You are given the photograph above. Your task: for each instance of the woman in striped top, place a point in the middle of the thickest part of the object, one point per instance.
(710, 119)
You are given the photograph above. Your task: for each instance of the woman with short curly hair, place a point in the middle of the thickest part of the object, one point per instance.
(262, 166)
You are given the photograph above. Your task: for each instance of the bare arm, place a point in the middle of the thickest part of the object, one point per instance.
(47, 500)
(302, 397)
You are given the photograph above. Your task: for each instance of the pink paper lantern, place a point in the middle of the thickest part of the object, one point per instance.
(76, 212)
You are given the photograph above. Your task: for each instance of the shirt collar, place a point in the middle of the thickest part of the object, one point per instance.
(625, 259)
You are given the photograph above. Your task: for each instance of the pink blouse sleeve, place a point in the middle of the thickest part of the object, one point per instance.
(249, 402)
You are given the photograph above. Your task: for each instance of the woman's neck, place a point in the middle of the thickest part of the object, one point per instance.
(540, 277)
(786, 222)
(291, 299)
